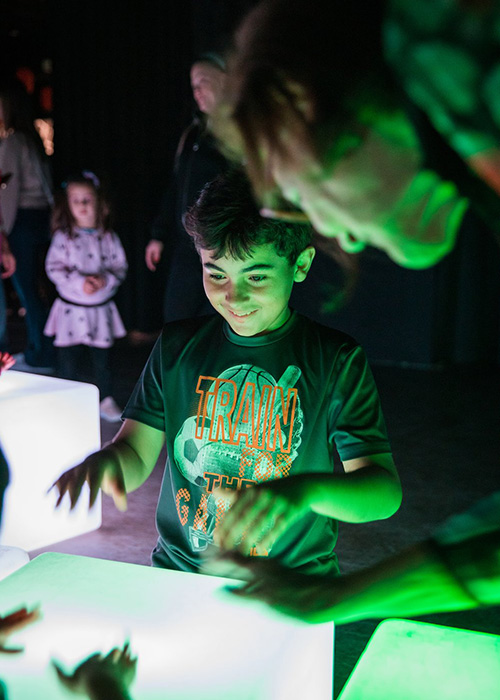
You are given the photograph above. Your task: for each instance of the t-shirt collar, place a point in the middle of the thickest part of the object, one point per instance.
(259, 340)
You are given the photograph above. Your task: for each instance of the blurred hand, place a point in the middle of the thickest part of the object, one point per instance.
(13, 623)
(8, 262)
(93, 283)
(6, 361)
(303, 596)
(100, 674)
(154, 250)
(260, 514)
(100, 470)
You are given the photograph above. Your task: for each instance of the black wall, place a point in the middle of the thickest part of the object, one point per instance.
(121, 99)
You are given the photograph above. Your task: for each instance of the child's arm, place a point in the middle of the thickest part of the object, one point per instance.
(68, 280)
(116, 266)
(7, 259)
(414, 582)
(369, 490)
(120, 467)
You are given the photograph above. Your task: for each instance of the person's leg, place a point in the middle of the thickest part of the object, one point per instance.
(28, 242)
(3, 319)
(109, 409)
(101, 362)
(70, 361)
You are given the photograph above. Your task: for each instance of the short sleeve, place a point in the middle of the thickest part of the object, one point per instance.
(356, 423)
(146, 403)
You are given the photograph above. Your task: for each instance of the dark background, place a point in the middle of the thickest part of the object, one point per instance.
(121, 97)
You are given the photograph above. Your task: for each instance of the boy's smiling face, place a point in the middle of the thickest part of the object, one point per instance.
(252, 294)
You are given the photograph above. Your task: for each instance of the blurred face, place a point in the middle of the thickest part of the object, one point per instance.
(207, 83)
(82, 205)
(252, 294)
(374, 192)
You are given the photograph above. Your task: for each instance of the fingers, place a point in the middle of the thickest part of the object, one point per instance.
(249, 521)
(72, 482)
(122, 656)
(63, 677)
(11, 650)
(6, 361)
(19, 619)
(114, 485)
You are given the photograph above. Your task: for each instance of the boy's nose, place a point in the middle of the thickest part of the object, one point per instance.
(236, 294)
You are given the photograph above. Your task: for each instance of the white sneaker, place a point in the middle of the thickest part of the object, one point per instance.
(110, 410)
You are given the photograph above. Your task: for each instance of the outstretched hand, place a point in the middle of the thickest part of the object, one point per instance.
(259, 515)
(102, 674)
(100, 470)
(6, 361)
(307, 597)
(13, 623)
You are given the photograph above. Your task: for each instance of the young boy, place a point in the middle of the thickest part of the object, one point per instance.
(251, 402)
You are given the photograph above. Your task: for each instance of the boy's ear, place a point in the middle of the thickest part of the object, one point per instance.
(303, 264)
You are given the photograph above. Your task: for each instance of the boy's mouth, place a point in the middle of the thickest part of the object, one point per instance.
(241, 315)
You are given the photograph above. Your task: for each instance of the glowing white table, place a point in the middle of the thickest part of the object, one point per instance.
(46, 426)
(408, 660)
(192, 641)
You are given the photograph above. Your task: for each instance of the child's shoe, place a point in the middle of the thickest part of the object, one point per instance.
(110, 410)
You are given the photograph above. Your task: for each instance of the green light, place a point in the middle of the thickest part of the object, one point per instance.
(191, 641)
(408, 660)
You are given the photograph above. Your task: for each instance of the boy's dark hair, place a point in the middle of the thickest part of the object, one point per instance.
(226, 220)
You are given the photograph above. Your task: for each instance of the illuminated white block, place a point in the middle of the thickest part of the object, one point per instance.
(408, 660)
(11, 559)
(192, 641)
(47, 425)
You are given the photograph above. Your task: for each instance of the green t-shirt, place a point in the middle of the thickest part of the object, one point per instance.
(237, 411)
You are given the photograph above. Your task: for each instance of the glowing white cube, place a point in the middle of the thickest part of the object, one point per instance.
(47, 425)
(192, 641)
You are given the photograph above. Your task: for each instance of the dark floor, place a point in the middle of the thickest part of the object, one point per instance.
(444, 428)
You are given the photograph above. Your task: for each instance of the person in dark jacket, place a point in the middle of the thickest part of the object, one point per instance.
(197, 162)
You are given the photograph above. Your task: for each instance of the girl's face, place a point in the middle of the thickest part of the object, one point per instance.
(82, 204)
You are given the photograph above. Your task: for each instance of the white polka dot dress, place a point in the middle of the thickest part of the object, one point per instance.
(77, 318)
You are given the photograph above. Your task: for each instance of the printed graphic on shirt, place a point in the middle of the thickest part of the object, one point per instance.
(247, 429)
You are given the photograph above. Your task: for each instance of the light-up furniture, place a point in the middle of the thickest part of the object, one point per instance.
(193, 641)
(47, 425)
(11, 559)
(408, 660)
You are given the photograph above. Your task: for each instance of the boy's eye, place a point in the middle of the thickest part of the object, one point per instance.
(257, 278)
(216, 277)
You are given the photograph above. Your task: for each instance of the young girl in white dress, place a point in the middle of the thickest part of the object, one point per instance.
(87, 264)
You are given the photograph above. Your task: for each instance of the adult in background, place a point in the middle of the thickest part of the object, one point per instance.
(25, 204)
(197, 162)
